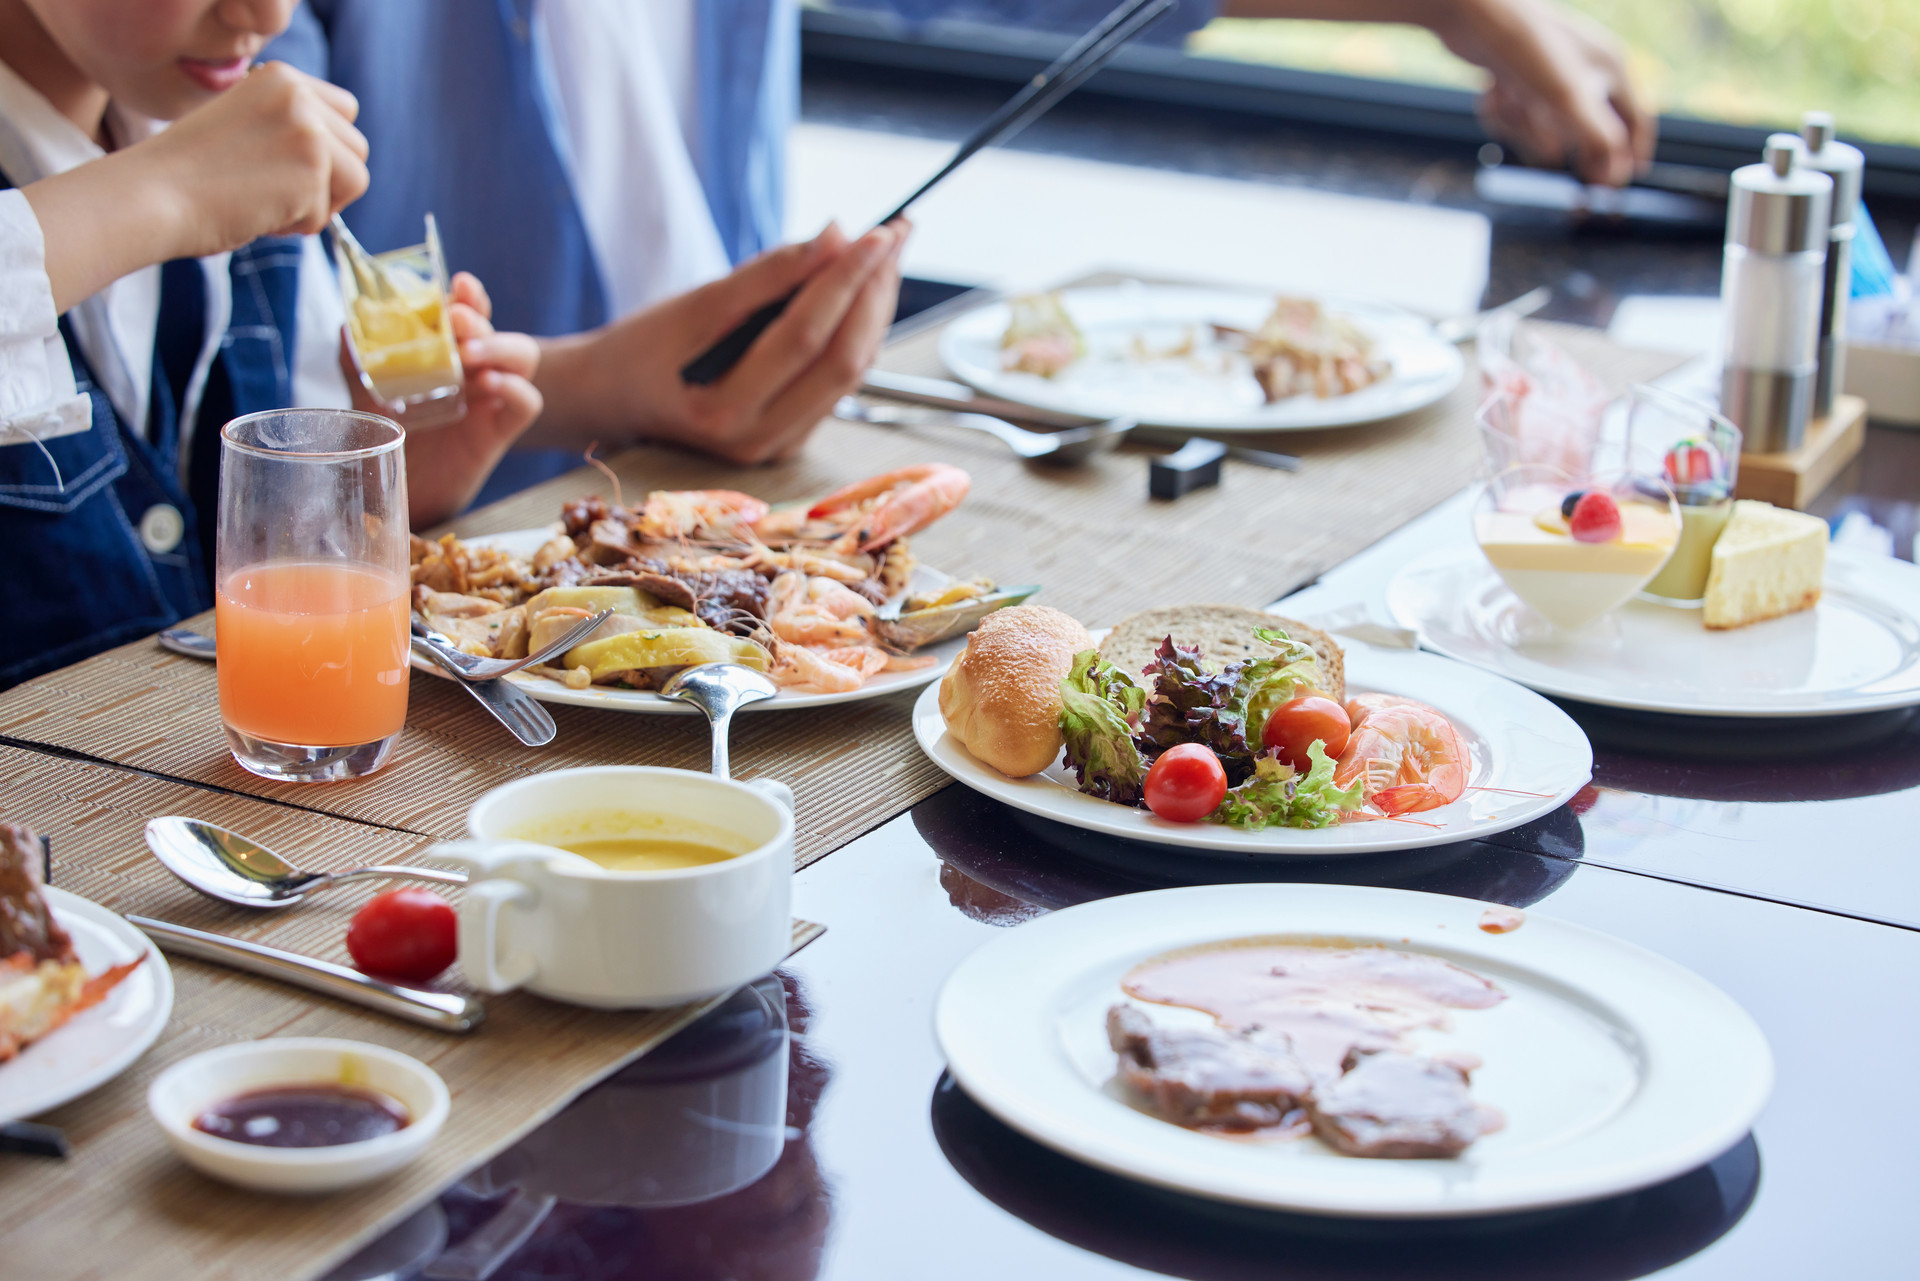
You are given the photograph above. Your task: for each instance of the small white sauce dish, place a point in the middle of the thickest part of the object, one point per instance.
(187, 1089)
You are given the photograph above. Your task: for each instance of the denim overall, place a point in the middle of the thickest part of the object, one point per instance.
(121, 545)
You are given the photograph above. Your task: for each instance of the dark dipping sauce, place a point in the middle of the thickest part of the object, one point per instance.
(303, 1116)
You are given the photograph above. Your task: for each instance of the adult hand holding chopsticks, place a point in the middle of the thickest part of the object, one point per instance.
(623, 380)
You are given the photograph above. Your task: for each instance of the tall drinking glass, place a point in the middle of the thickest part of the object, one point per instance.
(311, 591)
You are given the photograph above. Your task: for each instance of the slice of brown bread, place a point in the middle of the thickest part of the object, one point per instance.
(1224, 634)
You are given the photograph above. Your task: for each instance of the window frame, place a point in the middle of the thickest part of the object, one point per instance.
(1156, 74)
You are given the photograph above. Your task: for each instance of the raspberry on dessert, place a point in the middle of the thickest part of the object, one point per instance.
(1595, 518)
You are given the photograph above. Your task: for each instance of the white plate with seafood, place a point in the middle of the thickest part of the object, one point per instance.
(98, 1043)
(1858, 650)
(804, 584)
(1528, 758)
(1611, 1068)
(1152, 352)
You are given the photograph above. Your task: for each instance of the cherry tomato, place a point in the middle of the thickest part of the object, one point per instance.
(1186, 784)
(404, 934)
(1292, 728)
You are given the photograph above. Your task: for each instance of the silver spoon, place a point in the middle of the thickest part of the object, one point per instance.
(719, 690)
(473, 668)
(1070, 447)
(227, 866)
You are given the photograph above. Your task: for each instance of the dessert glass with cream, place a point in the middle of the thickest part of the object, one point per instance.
(400, 331)
(1574, 551)
(1698, 453)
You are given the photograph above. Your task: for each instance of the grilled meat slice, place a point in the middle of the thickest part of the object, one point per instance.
(1207, 1076)
(26, 924)
(1391, 1104)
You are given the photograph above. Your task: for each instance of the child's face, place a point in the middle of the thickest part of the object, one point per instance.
(162, 58)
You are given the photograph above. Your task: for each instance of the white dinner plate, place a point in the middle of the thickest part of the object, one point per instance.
(1212, 391)
(1614, 1067)
(524, 542)
(1858, 650)
(1529, 758)
(99, 1044)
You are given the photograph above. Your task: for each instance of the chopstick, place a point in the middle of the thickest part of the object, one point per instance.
(1071, 69)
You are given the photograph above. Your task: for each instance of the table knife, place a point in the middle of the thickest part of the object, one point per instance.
(442, 1010)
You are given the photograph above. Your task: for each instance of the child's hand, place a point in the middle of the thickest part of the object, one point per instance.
(275, 155)
(447, 465)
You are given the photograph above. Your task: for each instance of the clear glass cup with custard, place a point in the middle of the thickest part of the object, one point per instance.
(400, 330)
(1697, 451)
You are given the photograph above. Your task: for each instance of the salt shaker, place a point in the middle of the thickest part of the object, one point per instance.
(1822, 151)
(1770, 291)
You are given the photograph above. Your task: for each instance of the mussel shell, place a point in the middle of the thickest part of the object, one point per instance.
(930, 626)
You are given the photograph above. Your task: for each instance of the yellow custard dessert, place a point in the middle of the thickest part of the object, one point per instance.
(1565, 580)
(405, 342)
(1685, 576)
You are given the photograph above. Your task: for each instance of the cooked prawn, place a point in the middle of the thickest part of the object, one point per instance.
(817, 611)
(873, 512)
(697, 513)
(1408, 755)
(797, 667)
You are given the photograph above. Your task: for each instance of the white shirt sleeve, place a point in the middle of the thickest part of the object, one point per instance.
(38, 399)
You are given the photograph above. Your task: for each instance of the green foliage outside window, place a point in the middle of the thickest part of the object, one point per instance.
(1760, 62)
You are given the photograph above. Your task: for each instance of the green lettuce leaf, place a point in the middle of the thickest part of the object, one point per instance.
(1226, 710)
(1277, 795)
(1097, 701)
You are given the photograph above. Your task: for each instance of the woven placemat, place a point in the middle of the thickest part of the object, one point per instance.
(1090, 535)
(123, 1206)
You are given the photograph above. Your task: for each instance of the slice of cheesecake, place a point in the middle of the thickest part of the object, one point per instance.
(1768, 561)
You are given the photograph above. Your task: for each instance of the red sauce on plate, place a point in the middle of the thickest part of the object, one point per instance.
(303, 1116)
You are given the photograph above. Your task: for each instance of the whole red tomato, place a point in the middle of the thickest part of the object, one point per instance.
(404, 934)
(1292, 727)
(1186, 784)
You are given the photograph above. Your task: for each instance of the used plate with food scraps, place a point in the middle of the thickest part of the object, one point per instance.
(1529, 758)
(1614, 1068)
(1858, 650)
(525, 542)
(1213, 390)
(100, 1043)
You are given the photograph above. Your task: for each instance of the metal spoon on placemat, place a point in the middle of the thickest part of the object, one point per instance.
(719, 690)
(227, 866)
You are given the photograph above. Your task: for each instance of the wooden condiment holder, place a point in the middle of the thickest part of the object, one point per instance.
(1793, 478)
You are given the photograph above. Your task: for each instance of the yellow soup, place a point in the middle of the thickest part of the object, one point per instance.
(633, 841)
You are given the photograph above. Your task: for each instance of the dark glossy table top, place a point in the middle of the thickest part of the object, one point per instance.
(881, 1168)
(807, 1130)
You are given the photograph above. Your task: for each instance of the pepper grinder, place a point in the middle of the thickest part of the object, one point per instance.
(1822, 151)
(1770, 292)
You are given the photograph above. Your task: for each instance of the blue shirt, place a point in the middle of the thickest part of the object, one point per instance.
(460, 122)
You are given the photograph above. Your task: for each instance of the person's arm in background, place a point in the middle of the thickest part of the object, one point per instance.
(1559, 92)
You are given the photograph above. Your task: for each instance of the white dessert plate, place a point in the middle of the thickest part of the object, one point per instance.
(1614, 1067)
(1529, 758)
(98, 1044)
(524, 542)
(1858, 650)
(1213, 390)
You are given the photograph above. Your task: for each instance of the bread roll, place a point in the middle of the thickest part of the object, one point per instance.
(1224, 634)
(1001, 698)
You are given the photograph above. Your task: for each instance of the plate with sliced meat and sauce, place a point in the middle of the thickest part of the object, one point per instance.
(826, 598)
(1352, 1051)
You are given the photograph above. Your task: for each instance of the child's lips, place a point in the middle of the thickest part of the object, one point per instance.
(216, 76)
